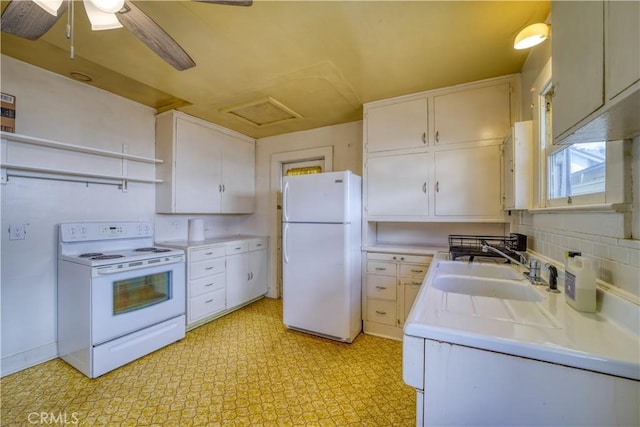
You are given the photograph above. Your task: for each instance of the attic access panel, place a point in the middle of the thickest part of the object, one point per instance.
(263, 112)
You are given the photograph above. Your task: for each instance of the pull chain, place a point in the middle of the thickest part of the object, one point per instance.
(70, 34)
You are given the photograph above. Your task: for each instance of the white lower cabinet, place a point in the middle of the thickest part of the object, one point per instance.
(392, 283)
(206, 282)
(223, 274)
(246, 271)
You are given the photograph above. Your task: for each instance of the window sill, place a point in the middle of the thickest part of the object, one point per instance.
(599, 208)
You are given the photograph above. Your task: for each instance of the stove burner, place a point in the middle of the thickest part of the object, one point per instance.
(151, 249)
(99, 257)
(90, 255)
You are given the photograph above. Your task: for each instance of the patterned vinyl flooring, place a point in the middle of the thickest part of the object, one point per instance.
(244, 369)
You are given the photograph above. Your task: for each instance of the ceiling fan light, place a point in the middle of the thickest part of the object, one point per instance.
(50, 6)
(108, 6)
(532, 35)
(100, 20)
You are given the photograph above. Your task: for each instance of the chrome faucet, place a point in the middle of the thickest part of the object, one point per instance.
(533, 269)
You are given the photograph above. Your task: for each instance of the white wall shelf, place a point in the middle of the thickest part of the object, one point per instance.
(75, 148)
(46, 172)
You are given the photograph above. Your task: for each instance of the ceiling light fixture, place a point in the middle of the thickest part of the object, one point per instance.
(50, 6)
(102, 13)
(530, 36)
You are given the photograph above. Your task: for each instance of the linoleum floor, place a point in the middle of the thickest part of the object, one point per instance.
(244, 369)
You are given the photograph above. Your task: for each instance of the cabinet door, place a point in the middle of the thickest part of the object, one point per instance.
(577, 61)
(473, 115)
(197, 168)
(258, 265)
(397, 126)
(237, 279)
(238, 175)
(468, 182)
(398, 185)
(623, 45)
(410, 293)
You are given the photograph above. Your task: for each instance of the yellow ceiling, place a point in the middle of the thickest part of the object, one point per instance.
(321, 59)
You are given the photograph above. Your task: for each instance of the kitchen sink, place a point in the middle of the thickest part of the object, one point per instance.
(508, 289)
(477, 269)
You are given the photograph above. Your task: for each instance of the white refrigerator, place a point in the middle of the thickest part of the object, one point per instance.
(321, 240)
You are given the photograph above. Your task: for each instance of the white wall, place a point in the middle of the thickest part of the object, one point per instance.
(56, 108)
(601, 236)
(345, 141)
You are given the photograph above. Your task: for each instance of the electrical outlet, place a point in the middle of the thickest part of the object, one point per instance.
(17, 231)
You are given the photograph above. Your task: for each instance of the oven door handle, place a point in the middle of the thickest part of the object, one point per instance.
(137, 265)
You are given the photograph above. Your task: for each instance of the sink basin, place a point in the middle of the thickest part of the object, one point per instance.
(509, 289)
(490, 271)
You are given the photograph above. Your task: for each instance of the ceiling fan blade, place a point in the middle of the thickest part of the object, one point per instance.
(151, 34)
(28, 20)
(229, 2)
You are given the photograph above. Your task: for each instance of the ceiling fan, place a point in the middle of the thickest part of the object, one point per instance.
(30, 19)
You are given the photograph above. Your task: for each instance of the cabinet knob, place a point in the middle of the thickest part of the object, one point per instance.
(380, 268)
(424, 137)
(424, 188)
(381, 313)
(437, 186)
(437, 136)
(381, 287)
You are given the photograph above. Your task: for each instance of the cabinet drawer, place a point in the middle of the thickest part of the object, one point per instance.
(381, 311)
(391, 257)
(206, 284)
(381, 287)
(206, 268)
(417, 259)
(413, 270)
(377, 267)
(206, 304)
(237, 247)
(257, 244)
(206, 253)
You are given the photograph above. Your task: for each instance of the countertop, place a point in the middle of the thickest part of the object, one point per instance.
(550, 330)
(185, 244)
(405, 249)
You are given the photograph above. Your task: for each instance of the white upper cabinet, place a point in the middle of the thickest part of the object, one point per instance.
(472, 114)
(397, 126)
(595, 49)
(398, 186)
(577, 58)
(455, 173)
(468, 183)
(518, 167)
(622, 46)
(205, 169)
(238, 175)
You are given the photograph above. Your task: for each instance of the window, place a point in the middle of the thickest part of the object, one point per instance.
(576, 170)
(576, 174)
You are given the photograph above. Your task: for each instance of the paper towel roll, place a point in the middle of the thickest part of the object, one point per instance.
(196, 229)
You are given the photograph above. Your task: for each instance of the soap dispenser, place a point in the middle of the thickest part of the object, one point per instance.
(580, 283)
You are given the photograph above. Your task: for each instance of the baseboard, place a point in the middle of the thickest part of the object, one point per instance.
(26, 359)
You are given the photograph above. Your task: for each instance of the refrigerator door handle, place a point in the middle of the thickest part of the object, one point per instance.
(285, 192)
(285, 229)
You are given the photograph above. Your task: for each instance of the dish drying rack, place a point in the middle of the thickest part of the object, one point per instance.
(470, 245)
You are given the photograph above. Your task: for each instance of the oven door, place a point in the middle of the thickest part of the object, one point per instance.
(127, 301)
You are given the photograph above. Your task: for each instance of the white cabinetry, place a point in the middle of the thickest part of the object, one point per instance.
(246, 271)
(397, 126)
(596, 70)
(474, 114)
(206, 282)
(518, 167)
(398, 185)
(452, 171)
(392, 283)
(206, 168)
(223, 274)
(577, 61)
(622, 46)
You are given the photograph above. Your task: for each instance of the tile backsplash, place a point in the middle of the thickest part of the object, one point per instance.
(617, 260)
